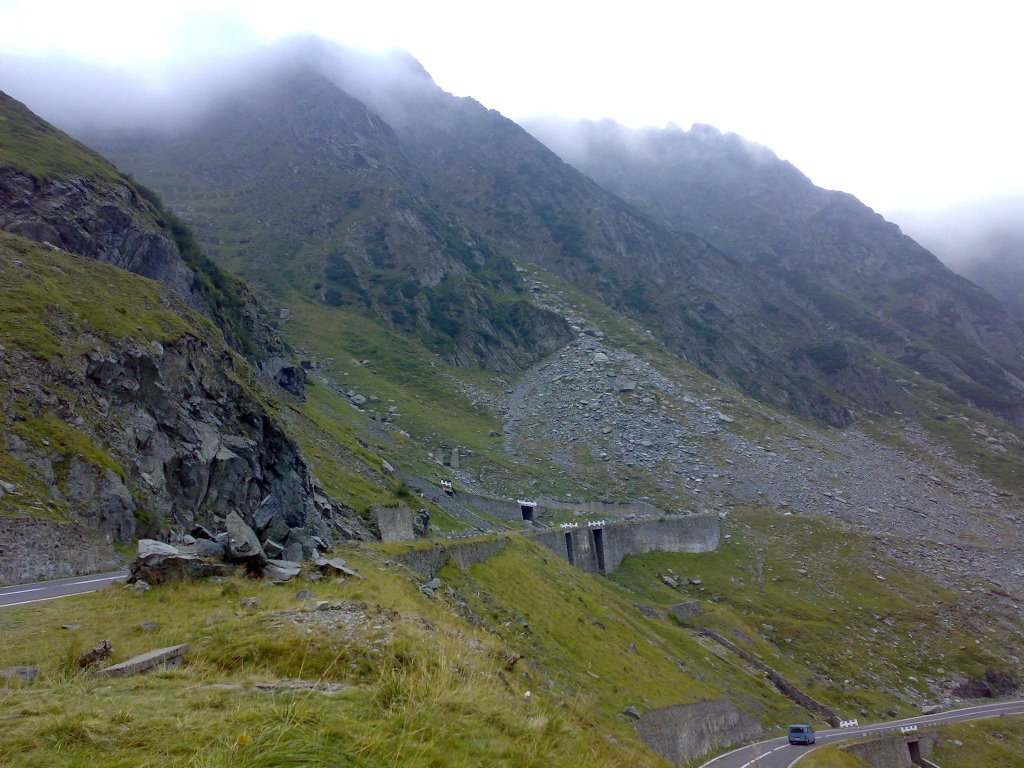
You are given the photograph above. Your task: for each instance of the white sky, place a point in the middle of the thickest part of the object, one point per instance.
(908, 105)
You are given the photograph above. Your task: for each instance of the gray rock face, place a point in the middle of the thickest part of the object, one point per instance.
(220, 453)
(681, 733)
(112, 223)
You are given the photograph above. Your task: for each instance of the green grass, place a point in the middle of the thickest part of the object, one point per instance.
(420, 687)
(32, 145)
(997, 742)
(56, 298)
(838, 630)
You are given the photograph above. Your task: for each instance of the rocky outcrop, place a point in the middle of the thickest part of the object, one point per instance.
(111, 437)
(681, 733)
(56, 191)
(201, 444)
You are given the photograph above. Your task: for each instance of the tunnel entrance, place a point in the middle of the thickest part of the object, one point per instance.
(599, 548)
(915, 752)
(527, 508)
(570, 555)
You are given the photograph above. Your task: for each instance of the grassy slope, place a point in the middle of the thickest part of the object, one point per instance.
(994, 743)
(32, 144)
(421, 687)
(424, 681)
(54, 307)
(848, 637)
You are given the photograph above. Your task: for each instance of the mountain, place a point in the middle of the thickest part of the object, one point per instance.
(861, 286)
(470, 324)
(126, 412)
(325, 198)
(983, 241)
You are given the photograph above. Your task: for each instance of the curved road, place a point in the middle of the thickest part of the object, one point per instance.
(23, 594)
(777, 753)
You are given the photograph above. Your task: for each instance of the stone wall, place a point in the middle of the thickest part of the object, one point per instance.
(33, 550)
(692, 533)
(892, 751)
(427, 562)
(681, 733)
(783, 685)
(601, 508)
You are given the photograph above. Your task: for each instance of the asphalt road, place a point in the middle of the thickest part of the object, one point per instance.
(23, 594)
(777, 753)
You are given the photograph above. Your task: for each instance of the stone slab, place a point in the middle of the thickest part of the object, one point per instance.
(161, 657)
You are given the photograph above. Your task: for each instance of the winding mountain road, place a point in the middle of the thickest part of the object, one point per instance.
(23, 594)
(777, 753)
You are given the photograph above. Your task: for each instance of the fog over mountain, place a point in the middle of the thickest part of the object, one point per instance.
(983, 241)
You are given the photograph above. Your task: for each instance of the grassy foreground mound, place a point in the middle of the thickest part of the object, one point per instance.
(389, 677)
(520, 660)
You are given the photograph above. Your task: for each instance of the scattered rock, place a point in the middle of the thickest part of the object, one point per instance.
(334, 566)
(149, 625)
(931, 709)
(280, 571)
(201, 532)
(157, 563)
(303, 685)
(632, 713)
(139, 588)
(687, 610)
(20, 673)
(670, 582)
(250, 603)
(303, 594)
(94, 656)
(162, 658)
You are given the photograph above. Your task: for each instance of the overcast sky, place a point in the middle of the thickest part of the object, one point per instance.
(908, 105)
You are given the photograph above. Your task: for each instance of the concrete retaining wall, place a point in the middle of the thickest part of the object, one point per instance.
(681, 733)
(694, 533)
(503, 509)
(33, 550)
(785, 687)
(892, 751)
(429, 561)
(608, 546)
(601, 508)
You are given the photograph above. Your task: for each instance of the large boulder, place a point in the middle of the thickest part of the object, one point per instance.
(242, 545)
(157, 562)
